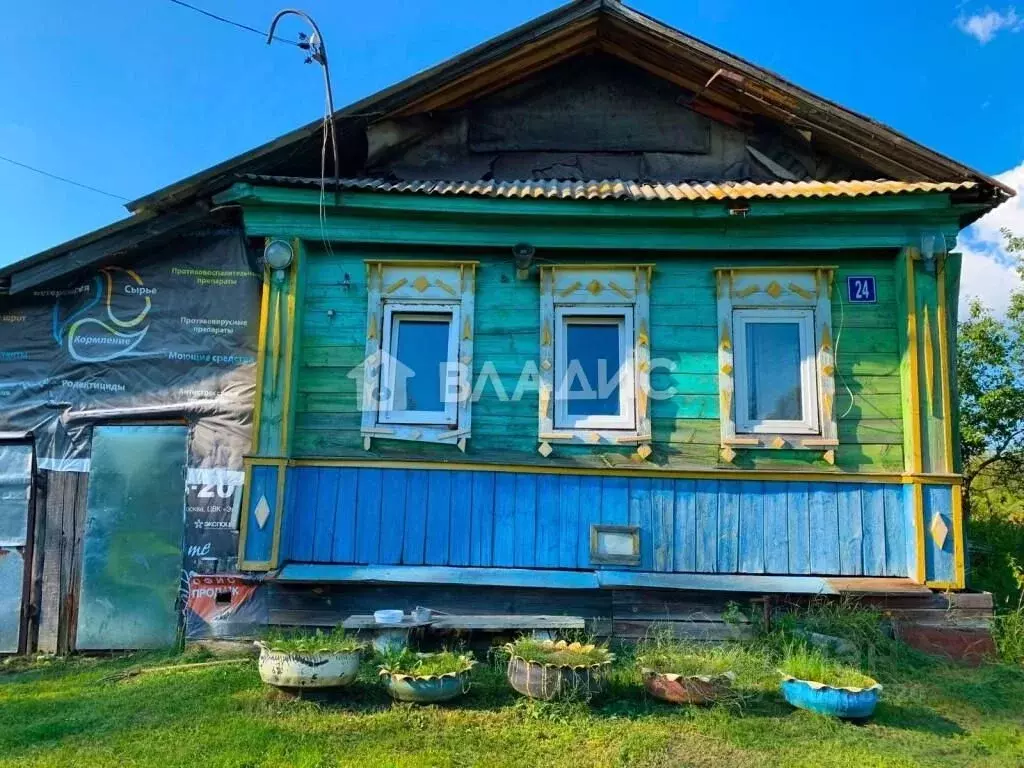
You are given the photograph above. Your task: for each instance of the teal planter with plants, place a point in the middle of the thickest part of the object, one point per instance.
(546, 669)
(816, 683)
(426, 678)
(297, 661)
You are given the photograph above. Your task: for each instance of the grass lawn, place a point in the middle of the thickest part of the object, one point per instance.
(83, 713)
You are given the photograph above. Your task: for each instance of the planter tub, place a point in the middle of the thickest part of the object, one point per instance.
(692, 689)
(548, 681)
(847, 703)
(426, 690)
(319, 669)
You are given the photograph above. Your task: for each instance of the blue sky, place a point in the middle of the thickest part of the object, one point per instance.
(130, 96)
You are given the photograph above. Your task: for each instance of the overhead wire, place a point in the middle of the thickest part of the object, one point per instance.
(63, 179)
(238, 24)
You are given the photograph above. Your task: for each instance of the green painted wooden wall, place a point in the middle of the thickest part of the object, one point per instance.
(683, 318)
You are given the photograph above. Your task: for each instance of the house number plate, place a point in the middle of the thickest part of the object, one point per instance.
(861, 290)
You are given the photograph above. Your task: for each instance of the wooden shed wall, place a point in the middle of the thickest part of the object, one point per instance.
(683, 327)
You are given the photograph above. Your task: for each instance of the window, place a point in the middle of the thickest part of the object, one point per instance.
(593, 380)
(776, 362)
(595, 356)
(421, 361)
(776, 385)
(419, 350)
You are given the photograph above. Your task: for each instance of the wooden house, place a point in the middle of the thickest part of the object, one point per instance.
(596, 309)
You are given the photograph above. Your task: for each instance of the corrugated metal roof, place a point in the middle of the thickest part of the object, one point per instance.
(622, 189)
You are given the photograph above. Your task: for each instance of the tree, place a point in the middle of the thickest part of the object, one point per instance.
(990, 377)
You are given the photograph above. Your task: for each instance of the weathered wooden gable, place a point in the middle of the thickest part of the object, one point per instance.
(598, 117)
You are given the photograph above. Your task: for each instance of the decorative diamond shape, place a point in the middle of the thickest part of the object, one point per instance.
(728, 454)
(830, 457)
(940, 531)
(595, 287)
(778, 443)
(421, 283)
(262, 512)
(644, 451)
(545, 449)
(774, 289)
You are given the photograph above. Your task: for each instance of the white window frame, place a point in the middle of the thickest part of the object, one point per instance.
(394, 314)
(397, 287)
(804, 320)
(784, 293)
(622, 318)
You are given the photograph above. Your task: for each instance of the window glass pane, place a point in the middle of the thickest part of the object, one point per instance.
(773, 371)
(592, 365)
(422, 353)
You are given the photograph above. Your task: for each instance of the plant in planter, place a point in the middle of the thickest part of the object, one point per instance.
(303, 660)
(426, 678)
(815, 682)
(546, 669)
(684, 673)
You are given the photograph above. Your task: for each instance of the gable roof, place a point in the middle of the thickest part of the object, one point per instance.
(722, 84)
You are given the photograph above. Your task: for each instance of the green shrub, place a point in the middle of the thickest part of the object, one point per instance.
(1008, 631)
(669, 656)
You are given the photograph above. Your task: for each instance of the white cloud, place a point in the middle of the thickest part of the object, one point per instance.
(988, 269)
(984, 26)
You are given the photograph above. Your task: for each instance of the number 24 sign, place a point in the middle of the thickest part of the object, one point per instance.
(861, 290)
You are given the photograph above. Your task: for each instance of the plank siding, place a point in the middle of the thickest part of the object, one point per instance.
(440, 517)
(685, 426)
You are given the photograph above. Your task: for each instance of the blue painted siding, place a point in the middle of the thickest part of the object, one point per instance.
(372, 516)
(259, 540)
(938, 558)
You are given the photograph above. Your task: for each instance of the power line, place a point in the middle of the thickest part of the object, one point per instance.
(61, 178)
(246, 27)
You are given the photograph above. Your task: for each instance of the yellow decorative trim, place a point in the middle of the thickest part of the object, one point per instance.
(800, 268)
(939, 530)
(467, 330)
(774, 289)
(291, 310)
(828, 370)
(261, 353)
(619, 290)
(371, 332)
(381, 263)
(544, 400)
(727, 454)
(594, 437)
(900, 478)
(594, 287)
(445, 287)
(727, 369)
(751, 442)
(643, 339)
(725, 399)
(571, 289)
(803, 293)
(642, 404)
(545, 449)
(778, 443)
(396, 285)
(748, 291)
(818, 442)
(644, 451)
(726, 340)
(275, 547)
(929, 360)
(826, 338)
(545, 365)
(916, 455)
(947, 407)
(918, 497)
(421, 283)
(644, 366)
(545, 335)
(830, 458)
(958, 537)
(826, 405)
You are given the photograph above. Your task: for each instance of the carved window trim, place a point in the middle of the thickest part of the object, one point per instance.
(610, 289)
(418, 287)
(785, 290)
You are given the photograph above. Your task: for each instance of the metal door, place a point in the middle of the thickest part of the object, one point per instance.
(134, 526)
(15, 497)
